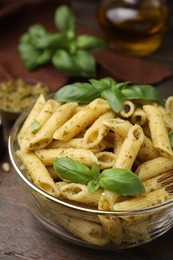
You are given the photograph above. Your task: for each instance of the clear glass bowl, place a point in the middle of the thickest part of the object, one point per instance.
(138, 227)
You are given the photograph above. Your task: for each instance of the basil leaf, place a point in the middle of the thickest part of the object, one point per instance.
(29, 55)
(89, 43)
(95, 170)
(84, 64)
(49, 41)
(69, 169)
(36, 31)
(114, 97)
(35, 126)
(170, 135)
(142, 92)
(93, 185)
(122, 181)
(65, 19)
(78, 64)
(102, 84)
(77, 92)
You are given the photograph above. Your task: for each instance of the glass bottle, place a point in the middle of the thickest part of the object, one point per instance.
(133, 27)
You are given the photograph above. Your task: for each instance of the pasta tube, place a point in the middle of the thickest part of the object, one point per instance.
(154, 167)
(48, 156)
(97, 131)
(43, 137)
(159, 133)
(38, 172)
(81, 120)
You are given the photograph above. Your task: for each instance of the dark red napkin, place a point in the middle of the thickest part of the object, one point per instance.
(17, 16)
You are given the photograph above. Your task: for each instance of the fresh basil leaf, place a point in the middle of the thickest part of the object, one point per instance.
(122, 181)
(93, 185)
(114, 97)
(122, 85)
(95, 170)
(145, 92)
(35, 126)
(170, 135)
(36, 30)
(68, 169)
(89, 43)
(49, 40)
(29, 55)
(102, 84)
(84, 63)
(45, 57)
(64, 62)
(77, 92)
(80, 63)
(65, 19)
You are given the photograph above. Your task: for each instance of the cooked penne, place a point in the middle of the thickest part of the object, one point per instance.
(143, 201)
(47, 110)
(113, 228)
(130, 148)
(107, 200)
(48, 156)
(79, 193)
(97, 131)
(154, 167)
(45, 135)
(138, 117)
(159, 132)
(105, 159)
(38, 172)
(76, 143)
(128, 109)
(121, 127)
(30, 118)
(86, 230)
(81, 120)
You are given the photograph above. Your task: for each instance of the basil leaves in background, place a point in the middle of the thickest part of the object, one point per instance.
(68, 52)
(122, 181)
(115, 93)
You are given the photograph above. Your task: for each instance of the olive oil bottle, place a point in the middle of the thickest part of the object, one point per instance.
(133, 27)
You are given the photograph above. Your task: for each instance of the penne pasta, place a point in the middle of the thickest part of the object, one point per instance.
(138, 117)
(128, 109)
(96, 132)
(130, 148)
(154, 167)
(81, 120)
(48, 156)
(121, 127)
(79, 193)
(38, 172)
(159, 132)
(112, 226)
(45, 135)
(30, 118)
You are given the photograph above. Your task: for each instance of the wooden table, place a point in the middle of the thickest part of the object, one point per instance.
(23, 237)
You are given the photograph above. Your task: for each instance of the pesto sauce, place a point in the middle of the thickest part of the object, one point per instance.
(16, 95)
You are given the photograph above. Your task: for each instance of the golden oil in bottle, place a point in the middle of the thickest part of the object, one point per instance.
(133, 27)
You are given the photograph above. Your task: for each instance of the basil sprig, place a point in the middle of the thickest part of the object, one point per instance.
(66, 51)
(122, 181)
(115, 93)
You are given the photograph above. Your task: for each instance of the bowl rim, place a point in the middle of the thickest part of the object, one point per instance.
(13, 158)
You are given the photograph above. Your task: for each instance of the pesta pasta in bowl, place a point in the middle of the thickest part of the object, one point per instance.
(95, 160)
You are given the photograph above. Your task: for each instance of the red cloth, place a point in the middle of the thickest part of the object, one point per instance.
(16, 17)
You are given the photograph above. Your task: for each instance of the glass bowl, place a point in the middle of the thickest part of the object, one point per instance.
(82, 225)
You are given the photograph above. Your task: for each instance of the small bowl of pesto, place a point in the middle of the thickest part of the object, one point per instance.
(18, 94)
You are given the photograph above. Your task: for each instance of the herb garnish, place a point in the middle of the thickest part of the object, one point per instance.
(68, 52)
(122, 181)
(35, 126)
(115, 93)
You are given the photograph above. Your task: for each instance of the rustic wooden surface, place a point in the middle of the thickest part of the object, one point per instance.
(23, 237)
